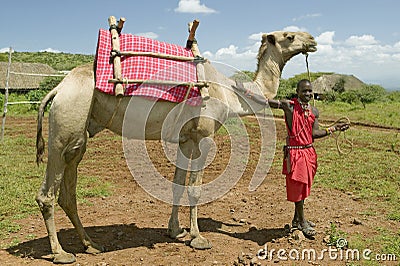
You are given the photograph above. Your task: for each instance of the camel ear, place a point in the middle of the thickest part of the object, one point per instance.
(271, 39)
(264, 38)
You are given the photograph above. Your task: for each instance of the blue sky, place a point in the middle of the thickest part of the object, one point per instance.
(354, 37)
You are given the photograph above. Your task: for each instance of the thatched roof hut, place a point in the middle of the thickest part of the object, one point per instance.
(23, 82)
(327, 83)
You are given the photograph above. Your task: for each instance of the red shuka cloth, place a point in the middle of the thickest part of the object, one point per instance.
(145, 68)
(303, 161)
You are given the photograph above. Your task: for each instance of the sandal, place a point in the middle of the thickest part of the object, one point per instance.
(308, 230)
(296, 223)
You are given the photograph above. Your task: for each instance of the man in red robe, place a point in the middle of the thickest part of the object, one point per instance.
(300, 160)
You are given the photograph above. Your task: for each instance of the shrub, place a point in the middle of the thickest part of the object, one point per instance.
(371, 93)
(394, 96)
(350, 96)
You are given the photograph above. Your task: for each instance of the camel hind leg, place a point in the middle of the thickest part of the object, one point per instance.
(46, 199)
(67, 197)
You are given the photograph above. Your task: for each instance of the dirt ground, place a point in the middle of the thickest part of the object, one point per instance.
(132, 225)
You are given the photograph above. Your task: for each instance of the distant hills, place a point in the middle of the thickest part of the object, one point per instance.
(337, 82)
(58, 61)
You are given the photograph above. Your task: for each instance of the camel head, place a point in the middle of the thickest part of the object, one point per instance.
(284, 45)
(276, 49)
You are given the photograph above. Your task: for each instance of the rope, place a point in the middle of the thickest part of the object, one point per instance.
(343, 119)
(308, 69)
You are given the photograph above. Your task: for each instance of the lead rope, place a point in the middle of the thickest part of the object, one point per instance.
(343, 119)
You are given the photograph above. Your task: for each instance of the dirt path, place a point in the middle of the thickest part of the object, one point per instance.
(132, 225)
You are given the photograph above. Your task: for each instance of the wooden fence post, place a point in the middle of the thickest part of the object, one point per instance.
(6, 94)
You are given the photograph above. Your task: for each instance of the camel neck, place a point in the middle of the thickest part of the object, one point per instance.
(268, 74)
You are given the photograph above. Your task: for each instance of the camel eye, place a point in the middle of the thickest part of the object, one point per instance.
(290, 38)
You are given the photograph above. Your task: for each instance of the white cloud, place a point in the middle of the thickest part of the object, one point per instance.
(193, 6)
(325, 38)
(307, 16)
(149, 34)
(5, 50)
(256, 36)
(361, 40)
(362, 56)
(294, 28)
(50, 50)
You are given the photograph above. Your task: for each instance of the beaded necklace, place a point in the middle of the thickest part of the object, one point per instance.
(306, 108)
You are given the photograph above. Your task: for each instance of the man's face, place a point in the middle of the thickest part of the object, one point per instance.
(304, 92)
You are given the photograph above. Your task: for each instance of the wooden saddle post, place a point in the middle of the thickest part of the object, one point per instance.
(115, 30)
(118, 80)
(192, 44)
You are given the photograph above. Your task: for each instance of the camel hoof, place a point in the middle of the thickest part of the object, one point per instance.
(178, 234)
(64, 258)
(200, 243)
(94, 249)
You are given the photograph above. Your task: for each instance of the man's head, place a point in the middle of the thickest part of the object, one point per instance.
(304, 90)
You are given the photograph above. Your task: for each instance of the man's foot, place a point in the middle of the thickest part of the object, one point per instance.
(295, 224)
(307, 229)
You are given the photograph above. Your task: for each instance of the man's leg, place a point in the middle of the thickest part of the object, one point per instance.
(302, 223)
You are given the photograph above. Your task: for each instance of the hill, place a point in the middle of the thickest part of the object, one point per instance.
(337, 82)
(58, 61)
(24, 82)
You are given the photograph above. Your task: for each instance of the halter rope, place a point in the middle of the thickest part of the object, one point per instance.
(343, 119)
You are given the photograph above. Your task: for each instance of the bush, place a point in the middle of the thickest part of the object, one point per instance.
(50, 83)
(371, 93)
(35, 96)
(286, 91)
(394, 96)
(350, 96)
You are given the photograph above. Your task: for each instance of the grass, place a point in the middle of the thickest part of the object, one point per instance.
(371, 171)
(380, 113)
(20, 179)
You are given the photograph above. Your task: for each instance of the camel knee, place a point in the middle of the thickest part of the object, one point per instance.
(194, 193)
(45, 203)
(74, 150)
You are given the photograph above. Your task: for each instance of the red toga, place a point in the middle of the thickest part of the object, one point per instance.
(302, 155)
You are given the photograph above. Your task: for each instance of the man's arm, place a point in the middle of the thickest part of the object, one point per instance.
(319, 133)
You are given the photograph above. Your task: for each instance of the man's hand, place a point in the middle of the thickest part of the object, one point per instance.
(342, 126)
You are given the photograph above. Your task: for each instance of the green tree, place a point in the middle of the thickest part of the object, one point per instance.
(286, 90)
(371, 93)
(244, 76)
(350, 96)
(339, 86)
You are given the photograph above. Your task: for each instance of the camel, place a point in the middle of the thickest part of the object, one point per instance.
(79, 111)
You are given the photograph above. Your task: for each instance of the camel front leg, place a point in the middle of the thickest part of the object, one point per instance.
(194, 193)
(183, 157)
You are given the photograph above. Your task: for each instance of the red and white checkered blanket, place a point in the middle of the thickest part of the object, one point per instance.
(146, 68)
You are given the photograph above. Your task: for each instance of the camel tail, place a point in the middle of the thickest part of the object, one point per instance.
(39, 135)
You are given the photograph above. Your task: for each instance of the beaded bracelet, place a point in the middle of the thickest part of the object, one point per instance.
(329, 130)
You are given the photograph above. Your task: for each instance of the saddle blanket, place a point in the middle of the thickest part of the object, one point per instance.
(146, 68)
